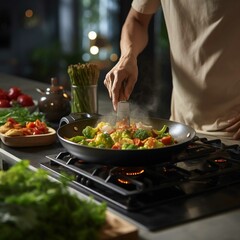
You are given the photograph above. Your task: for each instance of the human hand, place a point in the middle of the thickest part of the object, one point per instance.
(234, 126)
(121, 79)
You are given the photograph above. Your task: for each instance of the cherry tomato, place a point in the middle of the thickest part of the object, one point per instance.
(25, 100)
(167, 140)
(4, 103)
(3, 94)
(14, 92)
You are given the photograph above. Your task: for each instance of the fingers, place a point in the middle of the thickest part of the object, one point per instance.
(121, 79)
(234, 126)
(113, 83)
(236, 129)
(108, 81)
(237, 135)
(119, 85)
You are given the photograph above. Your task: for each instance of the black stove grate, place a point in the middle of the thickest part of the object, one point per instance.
(203, 169)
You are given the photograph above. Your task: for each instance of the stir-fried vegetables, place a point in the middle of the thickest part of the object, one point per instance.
(124, 137)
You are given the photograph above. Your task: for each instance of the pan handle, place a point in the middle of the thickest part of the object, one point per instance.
(76, 116)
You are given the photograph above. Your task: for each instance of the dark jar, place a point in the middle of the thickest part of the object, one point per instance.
(55, 102)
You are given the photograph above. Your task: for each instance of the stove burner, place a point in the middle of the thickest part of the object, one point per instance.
(222, 163)
(127, 174)
(200, 170)
(128, 171)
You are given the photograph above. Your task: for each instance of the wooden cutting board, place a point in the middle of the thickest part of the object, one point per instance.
(117, 228)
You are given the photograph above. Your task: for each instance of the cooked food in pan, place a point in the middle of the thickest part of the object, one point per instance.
(123, 136)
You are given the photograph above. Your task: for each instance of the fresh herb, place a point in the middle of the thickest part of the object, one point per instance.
(21, 115)
(34, 207)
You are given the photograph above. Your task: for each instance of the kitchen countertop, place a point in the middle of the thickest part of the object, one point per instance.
(224, 226)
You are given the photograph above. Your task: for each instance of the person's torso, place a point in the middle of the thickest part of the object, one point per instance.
(205, 55)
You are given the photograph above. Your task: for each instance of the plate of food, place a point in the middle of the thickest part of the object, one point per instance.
(31, 134)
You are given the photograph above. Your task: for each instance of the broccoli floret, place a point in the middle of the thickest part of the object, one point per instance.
(126, 134)
(126, 146)
(89, 132)
(142, 134)
(92, 144)
(104, 139)
(79, 140)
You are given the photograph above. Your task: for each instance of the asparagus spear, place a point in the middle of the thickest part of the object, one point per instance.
(81, 77)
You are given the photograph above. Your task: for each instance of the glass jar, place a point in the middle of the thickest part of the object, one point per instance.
(84, 99)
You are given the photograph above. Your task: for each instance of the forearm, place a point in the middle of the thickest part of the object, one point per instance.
(121, 79)
(134, 36)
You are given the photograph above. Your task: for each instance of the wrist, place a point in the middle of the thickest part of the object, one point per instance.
(128, 57)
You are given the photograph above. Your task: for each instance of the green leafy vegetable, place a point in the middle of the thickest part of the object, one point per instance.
(33, 207)
(21, 115)
(142, 134)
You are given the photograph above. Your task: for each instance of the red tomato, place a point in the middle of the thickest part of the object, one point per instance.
(36, 131)
(3, 94)
(37, 127)
(12, 121)
(4, 103)
(14, 92)
(25, 100)
(167, 140)
(30, 125)
(137, 142)
(116, 146)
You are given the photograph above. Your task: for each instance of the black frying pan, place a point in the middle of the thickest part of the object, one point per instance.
(73, 125)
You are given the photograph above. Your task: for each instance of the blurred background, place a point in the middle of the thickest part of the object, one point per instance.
(39, 39)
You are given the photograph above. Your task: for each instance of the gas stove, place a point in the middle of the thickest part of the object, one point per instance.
(203, 180)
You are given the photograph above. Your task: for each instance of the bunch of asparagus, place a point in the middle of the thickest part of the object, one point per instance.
(83, 77)
(83, 74)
